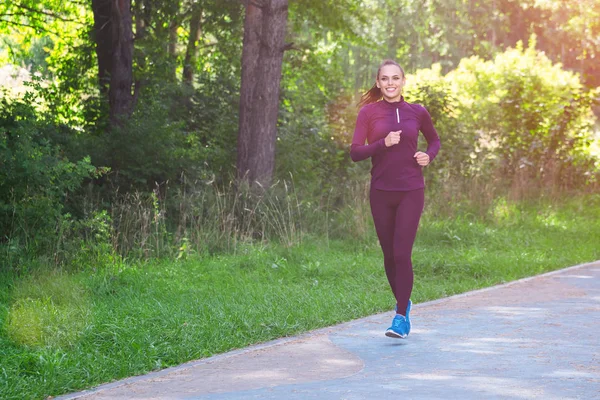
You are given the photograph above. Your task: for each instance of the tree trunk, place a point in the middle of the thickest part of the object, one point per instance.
(114, 47)
(141, 17)
(172, 49)
(262, 57)
(121, 78)
(191, 52)
(103, 37)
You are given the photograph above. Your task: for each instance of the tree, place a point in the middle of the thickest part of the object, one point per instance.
(191, 52)
(113, 34)
(262, 57)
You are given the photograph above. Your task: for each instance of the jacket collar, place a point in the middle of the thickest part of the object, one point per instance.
(393, 103)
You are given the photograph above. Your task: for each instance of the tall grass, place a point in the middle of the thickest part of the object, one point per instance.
(208, 218)
(178, 222)
(201, 219)
(205, 219)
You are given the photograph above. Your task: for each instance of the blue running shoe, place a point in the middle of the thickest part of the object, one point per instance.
(407, 314)
(399, 328)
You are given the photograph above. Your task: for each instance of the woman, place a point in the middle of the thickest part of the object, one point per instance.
(390, 126)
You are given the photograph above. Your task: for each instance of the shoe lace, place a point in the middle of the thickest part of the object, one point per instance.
(399, 320)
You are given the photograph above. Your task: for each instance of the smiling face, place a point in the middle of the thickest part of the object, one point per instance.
(391, 81)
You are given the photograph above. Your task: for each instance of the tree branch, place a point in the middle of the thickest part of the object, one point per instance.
(23, 15)
(290, 46)
(47, 13)
(36, 28)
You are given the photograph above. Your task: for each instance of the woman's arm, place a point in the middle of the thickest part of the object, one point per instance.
(431, 135)
(359, 150)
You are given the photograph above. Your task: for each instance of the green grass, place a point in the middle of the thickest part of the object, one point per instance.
(62, 332)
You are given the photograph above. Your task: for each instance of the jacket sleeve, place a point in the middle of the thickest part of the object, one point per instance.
(359, 150)
(431, 135)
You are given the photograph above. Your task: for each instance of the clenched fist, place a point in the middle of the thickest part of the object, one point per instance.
(392, 138)
(422, 158)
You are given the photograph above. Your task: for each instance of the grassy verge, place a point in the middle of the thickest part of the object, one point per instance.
(62, 332)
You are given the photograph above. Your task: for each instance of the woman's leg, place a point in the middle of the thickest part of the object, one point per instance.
(396, 216)
(383, 209)
(408, 215)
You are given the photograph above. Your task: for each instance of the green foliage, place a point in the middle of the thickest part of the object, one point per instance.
(572, 25)
(34, 30)
(149, 148)
(68, 92)
(429, 88)
(316, 114)
(35, 177)
(173, 132)
(211, 117)
(519, 120)
(533, 116)
(323, 18)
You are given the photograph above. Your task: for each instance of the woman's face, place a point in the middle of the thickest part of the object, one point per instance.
(391, 81)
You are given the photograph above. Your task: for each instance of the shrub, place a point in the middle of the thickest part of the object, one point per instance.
(35, 176)
(532, 118)
(517, 121)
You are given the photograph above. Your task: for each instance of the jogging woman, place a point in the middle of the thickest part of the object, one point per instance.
(390, 127)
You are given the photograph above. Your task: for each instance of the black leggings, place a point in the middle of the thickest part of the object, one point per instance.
(396, 216)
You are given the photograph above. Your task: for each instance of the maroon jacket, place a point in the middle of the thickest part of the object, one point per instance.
(394, 167)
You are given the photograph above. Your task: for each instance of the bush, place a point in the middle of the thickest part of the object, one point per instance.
(35, 177)
(532, 118)
(516, 122)
(173, 131)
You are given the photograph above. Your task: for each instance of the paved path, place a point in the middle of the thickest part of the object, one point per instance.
(537, 338)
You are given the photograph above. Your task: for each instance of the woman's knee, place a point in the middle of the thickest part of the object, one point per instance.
(402, 259)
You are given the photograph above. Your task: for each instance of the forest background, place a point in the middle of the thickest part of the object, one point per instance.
(160, 135)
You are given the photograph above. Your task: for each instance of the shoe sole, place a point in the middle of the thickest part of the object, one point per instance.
(392, 334)
(407, 317)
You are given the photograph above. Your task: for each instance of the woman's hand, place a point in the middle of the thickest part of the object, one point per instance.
(422, 158)
(392, 138)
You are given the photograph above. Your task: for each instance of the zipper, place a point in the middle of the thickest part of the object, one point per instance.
(397, 116)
